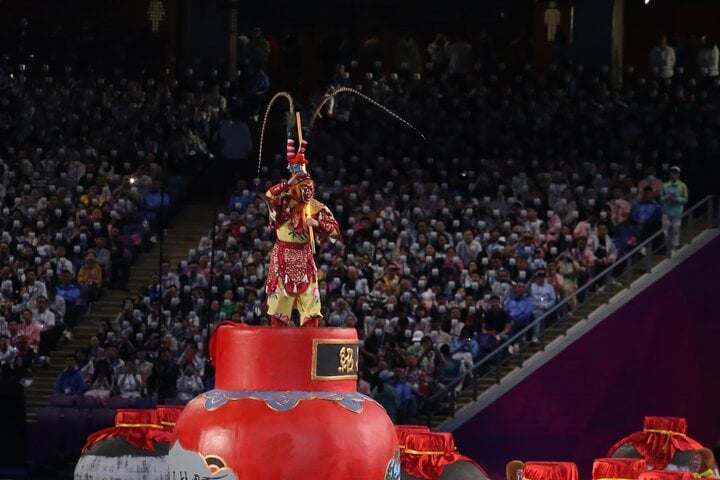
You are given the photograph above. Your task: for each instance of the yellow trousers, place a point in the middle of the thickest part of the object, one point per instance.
(280, 304)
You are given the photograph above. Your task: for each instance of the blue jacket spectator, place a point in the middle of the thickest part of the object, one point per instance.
(70, 381)
(646, 210)
(154, 200)
(465, 344)
(519, 306)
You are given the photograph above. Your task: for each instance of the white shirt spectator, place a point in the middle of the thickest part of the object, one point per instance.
(543, 296)
(662, 61)
(129, 385)
(707, 61)
(188, 386)
(468, 250)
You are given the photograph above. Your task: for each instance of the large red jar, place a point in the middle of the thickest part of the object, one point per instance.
(285, 407)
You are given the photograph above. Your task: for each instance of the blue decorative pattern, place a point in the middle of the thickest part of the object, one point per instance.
(284, 401)
(394, 467)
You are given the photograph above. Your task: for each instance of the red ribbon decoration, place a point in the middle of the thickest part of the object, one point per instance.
(167, 415)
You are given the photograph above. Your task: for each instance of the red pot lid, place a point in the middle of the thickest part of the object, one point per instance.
(618, 468)
(305, 359)
(550, 471)
(136, 418)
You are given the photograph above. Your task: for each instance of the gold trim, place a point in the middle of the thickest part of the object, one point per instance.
(313, 367)
(419, 452)
(137, 425)
(167, 424)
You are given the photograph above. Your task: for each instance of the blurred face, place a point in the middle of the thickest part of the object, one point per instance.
(602, 230)
(519, 289)
(495, 303)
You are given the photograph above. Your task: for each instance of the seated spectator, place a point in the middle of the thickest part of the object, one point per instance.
(189, 385)
(163, 379)
(70, 380)
(101, 383)
(72, 296)
(51, 330)
(384, 394)
(520, 310)
(112, 357)
(585, 260)
(7, 352)
(647, 213)
(543, 299)
(30, 329)
(438, 334)
(129, 384)
(605, 251)
(465, 348)
(405, 399)
(90, 278)
(496, 323)
(85, 365)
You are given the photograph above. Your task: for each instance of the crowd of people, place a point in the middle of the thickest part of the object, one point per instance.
(528, 187)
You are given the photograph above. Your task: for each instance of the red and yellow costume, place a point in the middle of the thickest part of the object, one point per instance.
(292, 275)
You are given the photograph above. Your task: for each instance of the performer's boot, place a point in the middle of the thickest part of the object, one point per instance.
(278, 320)
(311, 321)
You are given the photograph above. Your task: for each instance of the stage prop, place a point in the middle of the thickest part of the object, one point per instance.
(136, 448)
(285, 406)
(618, 468)
(549, 471)
(663, 443)
(433, 455)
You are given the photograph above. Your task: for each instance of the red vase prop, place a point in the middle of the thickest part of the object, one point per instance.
(285, 406)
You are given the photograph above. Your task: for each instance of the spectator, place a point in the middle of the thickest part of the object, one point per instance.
(405, 399)
(707, 57)
(469, 249)
(164, 377)
(520, 310)
(662, 59)
(647, 214)
(70, 380)
(674, 196)
(101, 382)
(236, 146)
(385, 394)
(128, 383)
(7, 352)
(605, 250)
(189, 385)
(543, 299)
(30, 329)
(72, 297)
(496, 321)
(90, 278)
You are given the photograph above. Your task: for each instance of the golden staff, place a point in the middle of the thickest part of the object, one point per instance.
(308, 207)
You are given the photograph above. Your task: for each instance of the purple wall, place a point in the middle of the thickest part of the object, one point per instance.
(657, 355)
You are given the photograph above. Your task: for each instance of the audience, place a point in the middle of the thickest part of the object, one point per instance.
(526, 179)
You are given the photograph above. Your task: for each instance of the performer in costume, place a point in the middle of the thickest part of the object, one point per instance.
(296, 217)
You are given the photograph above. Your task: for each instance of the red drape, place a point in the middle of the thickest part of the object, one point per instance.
(133, 425)
(550, 471)
(618, 468)
(167, 415)
(660, 438)
(664, 475)
(425, 454)
(403, 430)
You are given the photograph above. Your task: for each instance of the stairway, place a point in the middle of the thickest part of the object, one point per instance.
(182, 234)
(596, 300)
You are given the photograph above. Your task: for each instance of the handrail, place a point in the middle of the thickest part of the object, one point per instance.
(496, 355)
